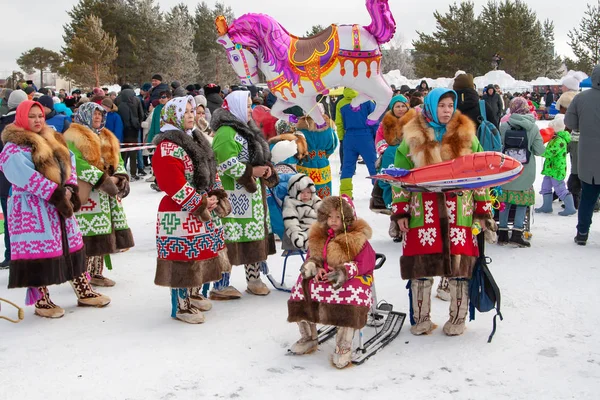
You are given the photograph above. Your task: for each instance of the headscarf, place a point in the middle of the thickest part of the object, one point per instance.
(171, 116)
(22, 116)
(519, 105)
(430, 111)
(85, 114)
(237, 104)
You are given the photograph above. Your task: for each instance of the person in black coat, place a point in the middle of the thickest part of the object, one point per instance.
(495, 102)
(468, 101)
(132, 114)
(157, 87)
(548, 99)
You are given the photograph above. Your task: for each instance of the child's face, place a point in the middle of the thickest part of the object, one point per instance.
(334, 221)
(305, 195)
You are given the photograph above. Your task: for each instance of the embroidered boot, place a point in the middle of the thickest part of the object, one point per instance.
(308, 339)
(223, 291)
(198, 300)
(86, 296)
(443, 291)
(459, 305)
(255, 285)
(182, 309)
(95, 267)
(343, 347)
(421, 306)
(44, 307)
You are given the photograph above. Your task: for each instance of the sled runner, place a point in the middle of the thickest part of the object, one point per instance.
(20, 312)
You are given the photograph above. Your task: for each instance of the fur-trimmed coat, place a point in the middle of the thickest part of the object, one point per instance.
(439, 241)
(298, 216)
(189, 239)
(350, 254)
(102, 218)
(238, 148)
(40, 218)
(390, 130)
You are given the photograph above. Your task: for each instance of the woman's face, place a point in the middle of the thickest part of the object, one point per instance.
(36, 119)
(399, 109)
(164, 99)
(97, 119)
(445, 110)
(249, 108)
(188, 117)
(200, 112)
(334, 220)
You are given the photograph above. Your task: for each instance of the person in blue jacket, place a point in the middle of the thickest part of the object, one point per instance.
(359, 140)
(114, 123)
(59, 122)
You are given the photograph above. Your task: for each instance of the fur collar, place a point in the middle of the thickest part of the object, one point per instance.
(308, 124)
(424, 150)
(258, 148)
(297, 138)
(392, 126)
(200, 152)
(344, 247)
(49, 151)
(102, 150)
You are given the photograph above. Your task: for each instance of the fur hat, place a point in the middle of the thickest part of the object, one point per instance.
(571, 83)
(298, 183)
(343, 204)
(463, 81)
(98, 92)
(565, 99)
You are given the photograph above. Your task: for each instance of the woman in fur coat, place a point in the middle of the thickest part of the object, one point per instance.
(300, 210)
(189, 238)
(438, 239)
(243, 163)
(46, 243)
(103, 182)
(337, 275)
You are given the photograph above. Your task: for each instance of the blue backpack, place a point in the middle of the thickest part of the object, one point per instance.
(487, 133)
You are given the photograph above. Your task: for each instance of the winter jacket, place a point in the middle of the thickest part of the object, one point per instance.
(61, 108)
(468, 104)
(298, 216)
(4, 102)
(549, 99)
(214, 101)
(583, 115)
(495, 103)
(59, 122)
(536, 147)
(355, 122)
(114, 123)
(154, 123)
(132, 114)
(349, 94)
(555, 165)
(157, 90)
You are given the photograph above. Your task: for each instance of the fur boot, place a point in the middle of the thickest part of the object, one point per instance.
(223, 291)
(421, 305)
(342, 356)
(255, 285)
(44, 307)
(86, 296)
(443, 291)
(182, 309)
(459, 306)
(308, 339)
(95, 267)
(198, 300)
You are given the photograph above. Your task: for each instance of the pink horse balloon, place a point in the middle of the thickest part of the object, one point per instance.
(298, 69)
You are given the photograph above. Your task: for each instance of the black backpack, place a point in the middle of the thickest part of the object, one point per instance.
(484, 294)
(516, 144)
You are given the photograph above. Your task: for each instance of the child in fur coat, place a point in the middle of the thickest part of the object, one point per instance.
(334, 286)
(300, 210)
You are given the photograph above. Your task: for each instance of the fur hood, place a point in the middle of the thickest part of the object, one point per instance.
(100, 150)
(258, 149)
(344, 247)
(308, 124)
(200, 152)
(425, 150)
(282, 151)
(393, 127)
(49, 151)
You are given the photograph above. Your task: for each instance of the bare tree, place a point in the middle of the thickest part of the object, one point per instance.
(395, 56)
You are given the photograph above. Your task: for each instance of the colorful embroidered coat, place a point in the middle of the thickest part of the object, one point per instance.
(321, 145)
(102, 218)
(238, 148)
(39, 166)
(190, 241)
(439, 242)
(349, 305)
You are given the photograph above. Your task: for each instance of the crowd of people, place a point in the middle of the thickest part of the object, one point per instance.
(233, 177)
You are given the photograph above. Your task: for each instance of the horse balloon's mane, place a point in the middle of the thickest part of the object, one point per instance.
(271, 40)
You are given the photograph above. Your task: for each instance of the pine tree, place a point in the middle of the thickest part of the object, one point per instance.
(314, 30)
(148, 42)
(178, 51)
(90, 54)
(40, 59)
(585, 40)
(550, 65)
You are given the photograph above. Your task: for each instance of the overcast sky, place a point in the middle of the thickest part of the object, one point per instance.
(31, 23)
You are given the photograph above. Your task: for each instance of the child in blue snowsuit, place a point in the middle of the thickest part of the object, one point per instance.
(359, 140)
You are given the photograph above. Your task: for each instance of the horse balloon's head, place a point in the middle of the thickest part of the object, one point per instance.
(242, 58)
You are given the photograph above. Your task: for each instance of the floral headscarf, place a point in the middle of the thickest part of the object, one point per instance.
(171, 116)
(85, 113)
(519, 105)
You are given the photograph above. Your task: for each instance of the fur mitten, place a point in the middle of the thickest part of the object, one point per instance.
(491, 227)
(223, 208)
(75, 200)
(273, 180)
(202, 212)
(59, 201)
(338, 277)
(309, 269)
(106, 185)
(123, 185)
(247, 180)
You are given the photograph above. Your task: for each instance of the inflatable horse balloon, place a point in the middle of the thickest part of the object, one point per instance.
(298, 69)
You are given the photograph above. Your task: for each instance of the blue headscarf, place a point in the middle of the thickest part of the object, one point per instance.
(430, 111)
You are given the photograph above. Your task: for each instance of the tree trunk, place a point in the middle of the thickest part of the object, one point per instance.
(41, 78)
(96, 77)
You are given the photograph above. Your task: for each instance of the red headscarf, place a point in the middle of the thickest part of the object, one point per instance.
(22, 116)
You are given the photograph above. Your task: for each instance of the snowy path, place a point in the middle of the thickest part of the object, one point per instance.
(546, 347)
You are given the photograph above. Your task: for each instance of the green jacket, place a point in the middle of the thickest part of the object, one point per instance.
(555, 165)
(349, 94)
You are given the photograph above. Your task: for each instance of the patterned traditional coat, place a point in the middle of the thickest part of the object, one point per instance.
(190, 240)
(439, 242)
(102, 218)
(349, 305)
(321, 145)
(40, 220)
(238, 148)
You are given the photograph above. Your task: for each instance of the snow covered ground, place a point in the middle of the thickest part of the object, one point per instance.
(546, 347)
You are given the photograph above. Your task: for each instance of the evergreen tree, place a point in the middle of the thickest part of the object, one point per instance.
(40, 59)
(178, 51)
(314, 30)
(585, 40)
(550, 65)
